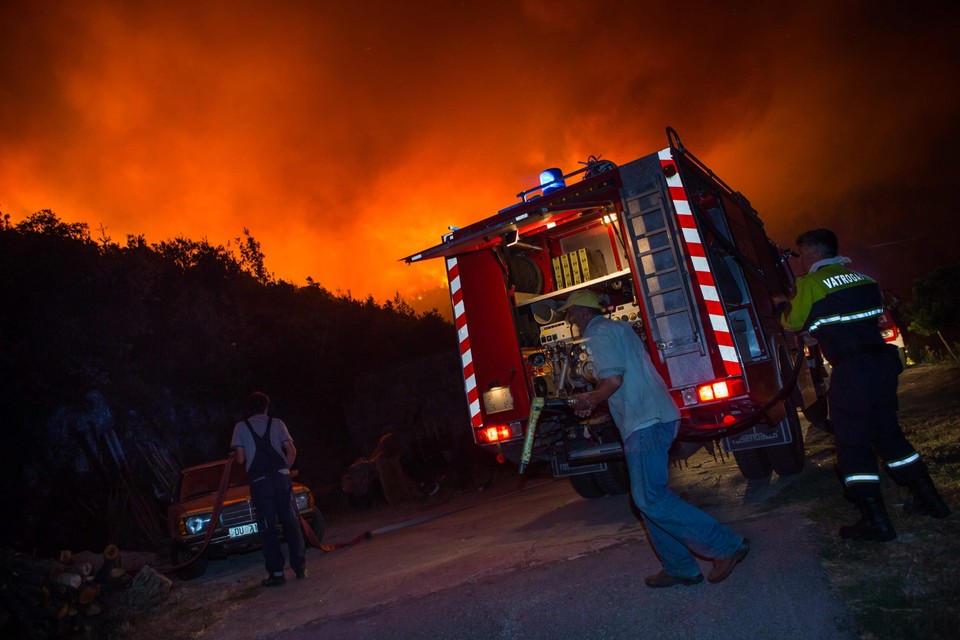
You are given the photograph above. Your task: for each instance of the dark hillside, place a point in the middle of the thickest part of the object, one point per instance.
(122, 363)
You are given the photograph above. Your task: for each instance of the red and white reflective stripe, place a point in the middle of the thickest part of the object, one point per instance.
(701, 269)
(466, 355)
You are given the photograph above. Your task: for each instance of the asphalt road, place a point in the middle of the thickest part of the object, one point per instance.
(542, 562)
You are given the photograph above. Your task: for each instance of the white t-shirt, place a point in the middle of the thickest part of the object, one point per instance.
(643, 398)
(242, 437)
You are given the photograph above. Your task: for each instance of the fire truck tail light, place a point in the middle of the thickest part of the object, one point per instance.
(499, 432)
(718, 390)
(889, 334)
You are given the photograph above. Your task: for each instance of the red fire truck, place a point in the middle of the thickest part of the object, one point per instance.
(680, 256)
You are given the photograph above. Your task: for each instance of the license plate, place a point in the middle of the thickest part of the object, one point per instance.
(243, 530)
(562, 469)
(759, 436)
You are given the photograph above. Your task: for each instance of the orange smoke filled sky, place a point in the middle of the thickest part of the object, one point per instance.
(347, 135)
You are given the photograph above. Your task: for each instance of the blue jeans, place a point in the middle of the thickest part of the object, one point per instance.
(675, 527)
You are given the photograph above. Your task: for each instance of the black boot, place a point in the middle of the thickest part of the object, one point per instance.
(926, 499)
(874, 523)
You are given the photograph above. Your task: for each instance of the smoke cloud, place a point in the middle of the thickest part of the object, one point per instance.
(345, 136)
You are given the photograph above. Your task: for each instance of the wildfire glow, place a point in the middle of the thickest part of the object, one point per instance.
(347, 135)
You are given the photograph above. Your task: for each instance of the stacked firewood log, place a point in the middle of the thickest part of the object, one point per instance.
(76, 595)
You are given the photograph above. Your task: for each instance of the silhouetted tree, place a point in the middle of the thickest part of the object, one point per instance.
(252, 259)
(936, 305)
(160, 344)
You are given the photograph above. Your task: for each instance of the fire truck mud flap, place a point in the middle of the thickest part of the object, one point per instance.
(764, 448)
(760, 435)
(562, 468)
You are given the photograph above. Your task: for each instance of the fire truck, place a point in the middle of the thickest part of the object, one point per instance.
(673, 251)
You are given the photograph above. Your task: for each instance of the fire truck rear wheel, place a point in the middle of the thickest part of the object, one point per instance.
(753, 463)
(586, 486)
(614, 481)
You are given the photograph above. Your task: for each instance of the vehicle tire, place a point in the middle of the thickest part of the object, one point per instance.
(317, 525)
(585, 485)
(614, 481)
(753, 463)
(787, 459)
(195, 569)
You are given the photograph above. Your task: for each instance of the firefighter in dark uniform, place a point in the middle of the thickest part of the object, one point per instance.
(840, 308)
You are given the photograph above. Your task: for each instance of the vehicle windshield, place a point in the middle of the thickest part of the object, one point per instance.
(199, 482)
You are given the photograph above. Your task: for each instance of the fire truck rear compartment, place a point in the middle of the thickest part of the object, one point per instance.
(543, 268)
(679, 256)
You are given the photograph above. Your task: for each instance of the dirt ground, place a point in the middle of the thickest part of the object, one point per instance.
(908, 588)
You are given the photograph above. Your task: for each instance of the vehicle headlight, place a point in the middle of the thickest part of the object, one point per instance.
(196, 523)
(303, 501)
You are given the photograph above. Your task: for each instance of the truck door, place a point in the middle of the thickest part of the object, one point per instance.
(495, 384)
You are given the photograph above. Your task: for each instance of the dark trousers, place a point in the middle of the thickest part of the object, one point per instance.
(273, 499)
(863, 411)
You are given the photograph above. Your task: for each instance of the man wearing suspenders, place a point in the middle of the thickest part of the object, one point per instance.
(268, 450)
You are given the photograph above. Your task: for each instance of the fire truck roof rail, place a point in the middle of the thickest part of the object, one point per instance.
(673, 138)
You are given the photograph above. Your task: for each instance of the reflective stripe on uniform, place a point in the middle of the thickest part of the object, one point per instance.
(842, 318)
(861, 477)
(904, 461)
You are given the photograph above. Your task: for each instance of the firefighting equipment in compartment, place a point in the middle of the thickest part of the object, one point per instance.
(578, 267)
(525, 275)
(545, 311)
(536, 407)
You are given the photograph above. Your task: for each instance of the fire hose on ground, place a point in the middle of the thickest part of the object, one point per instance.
(214, 517)
(311, 537)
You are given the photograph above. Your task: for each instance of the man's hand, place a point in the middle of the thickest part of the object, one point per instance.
(584, 406)
(781, 306)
